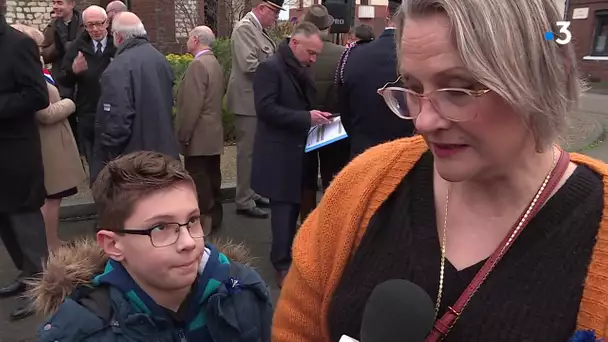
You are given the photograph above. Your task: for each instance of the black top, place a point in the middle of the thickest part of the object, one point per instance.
(23, 91)
(532, 295)
(87, 83)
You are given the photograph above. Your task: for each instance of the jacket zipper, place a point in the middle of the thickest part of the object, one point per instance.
(182, 336)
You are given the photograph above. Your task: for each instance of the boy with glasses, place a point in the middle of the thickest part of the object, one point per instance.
(150, 277)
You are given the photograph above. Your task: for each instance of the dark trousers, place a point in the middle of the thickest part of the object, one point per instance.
(24, 237)
(328, 160)
(283, 223)
(74, 126)
(85, 136)
(207, 175)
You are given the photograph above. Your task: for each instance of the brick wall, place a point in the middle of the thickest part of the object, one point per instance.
(165, 29)
(33, 13)
(158, 17)
(582, 38)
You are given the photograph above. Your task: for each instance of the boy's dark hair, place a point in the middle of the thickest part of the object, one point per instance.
(126, 179)
(364, 32)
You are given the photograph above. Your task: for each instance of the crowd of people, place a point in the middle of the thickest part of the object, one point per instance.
(450, 177)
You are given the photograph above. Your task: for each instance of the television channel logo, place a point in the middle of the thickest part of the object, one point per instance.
(564, 31)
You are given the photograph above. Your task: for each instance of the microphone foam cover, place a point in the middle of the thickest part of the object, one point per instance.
(397, 310)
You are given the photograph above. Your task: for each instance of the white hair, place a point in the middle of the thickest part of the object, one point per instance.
(91, 8)
(205, 35)
(129, 31)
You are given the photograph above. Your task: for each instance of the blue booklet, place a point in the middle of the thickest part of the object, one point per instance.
(326, 134)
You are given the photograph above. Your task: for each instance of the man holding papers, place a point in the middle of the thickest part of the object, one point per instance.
(284, 94)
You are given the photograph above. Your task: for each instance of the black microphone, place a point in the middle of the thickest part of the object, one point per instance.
(397, 310)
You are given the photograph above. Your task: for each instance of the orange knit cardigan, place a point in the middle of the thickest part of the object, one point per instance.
(331, 234)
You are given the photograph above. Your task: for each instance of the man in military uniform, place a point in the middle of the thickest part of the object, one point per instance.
(251, 45)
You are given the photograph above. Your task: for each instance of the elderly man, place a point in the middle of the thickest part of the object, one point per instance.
(284, 101)
(86, 59)
(23, 91)
(199, 122)
(113, 8)
(251, 45)
(135, 110)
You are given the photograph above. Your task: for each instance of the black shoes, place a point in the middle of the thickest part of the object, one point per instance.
(17, 287)
(254, 212)
(25, 309)
(262, 202)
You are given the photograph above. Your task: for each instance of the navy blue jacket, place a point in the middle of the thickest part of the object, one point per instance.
(284, 94)
(366, 117)
(135, 110)
(229, 302)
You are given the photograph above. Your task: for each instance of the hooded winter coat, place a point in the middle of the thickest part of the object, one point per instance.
(91, 298)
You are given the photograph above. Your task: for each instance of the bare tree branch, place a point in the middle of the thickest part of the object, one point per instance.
(188, 12)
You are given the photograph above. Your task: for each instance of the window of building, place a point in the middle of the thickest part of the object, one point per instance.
(600, 36)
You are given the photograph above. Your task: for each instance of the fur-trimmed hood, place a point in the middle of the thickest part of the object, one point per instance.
(75, 264)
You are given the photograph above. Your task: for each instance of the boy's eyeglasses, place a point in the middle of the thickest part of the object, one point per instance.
(166, 234)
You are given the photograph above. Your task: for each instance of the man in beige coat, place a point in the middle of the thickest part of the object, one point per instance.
(250, 46)
(199, 122)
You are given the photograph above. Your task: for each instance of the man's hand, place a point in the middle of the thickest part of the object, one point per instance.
(318, 117)
(80, 64)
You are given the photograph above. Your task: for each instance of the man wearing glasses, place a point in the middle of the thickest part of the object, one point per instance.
(151, 276)
(251, 45)
(83, 65)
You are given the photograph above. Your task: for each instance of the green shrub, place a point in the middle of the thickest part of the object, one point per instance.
(222, 51)
(179, 64)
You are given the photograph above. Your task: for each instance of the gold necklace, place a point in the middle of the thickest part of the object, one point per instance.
(506, 245)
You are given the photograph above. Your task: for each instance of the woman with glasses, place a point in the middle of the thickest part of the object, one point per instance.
(504, 230)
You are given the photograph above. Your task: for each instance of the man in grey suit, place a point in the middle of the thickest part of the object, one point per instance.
(250, 46)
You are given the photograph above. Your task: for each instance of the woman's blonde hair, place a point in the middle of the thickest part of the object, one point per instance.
(32, 32)
(502, 43)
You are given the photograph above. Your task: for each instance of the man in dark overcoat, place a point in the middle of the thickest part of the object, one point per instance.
(23, 91)
(284, 95)
(365, 116)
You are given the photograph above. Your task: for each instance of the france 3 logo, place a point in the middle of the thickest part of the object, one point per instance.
(564, 36)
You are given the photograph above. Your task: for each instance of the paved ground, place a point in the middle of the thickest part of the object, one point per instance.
(596, 106)
(254, 233)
